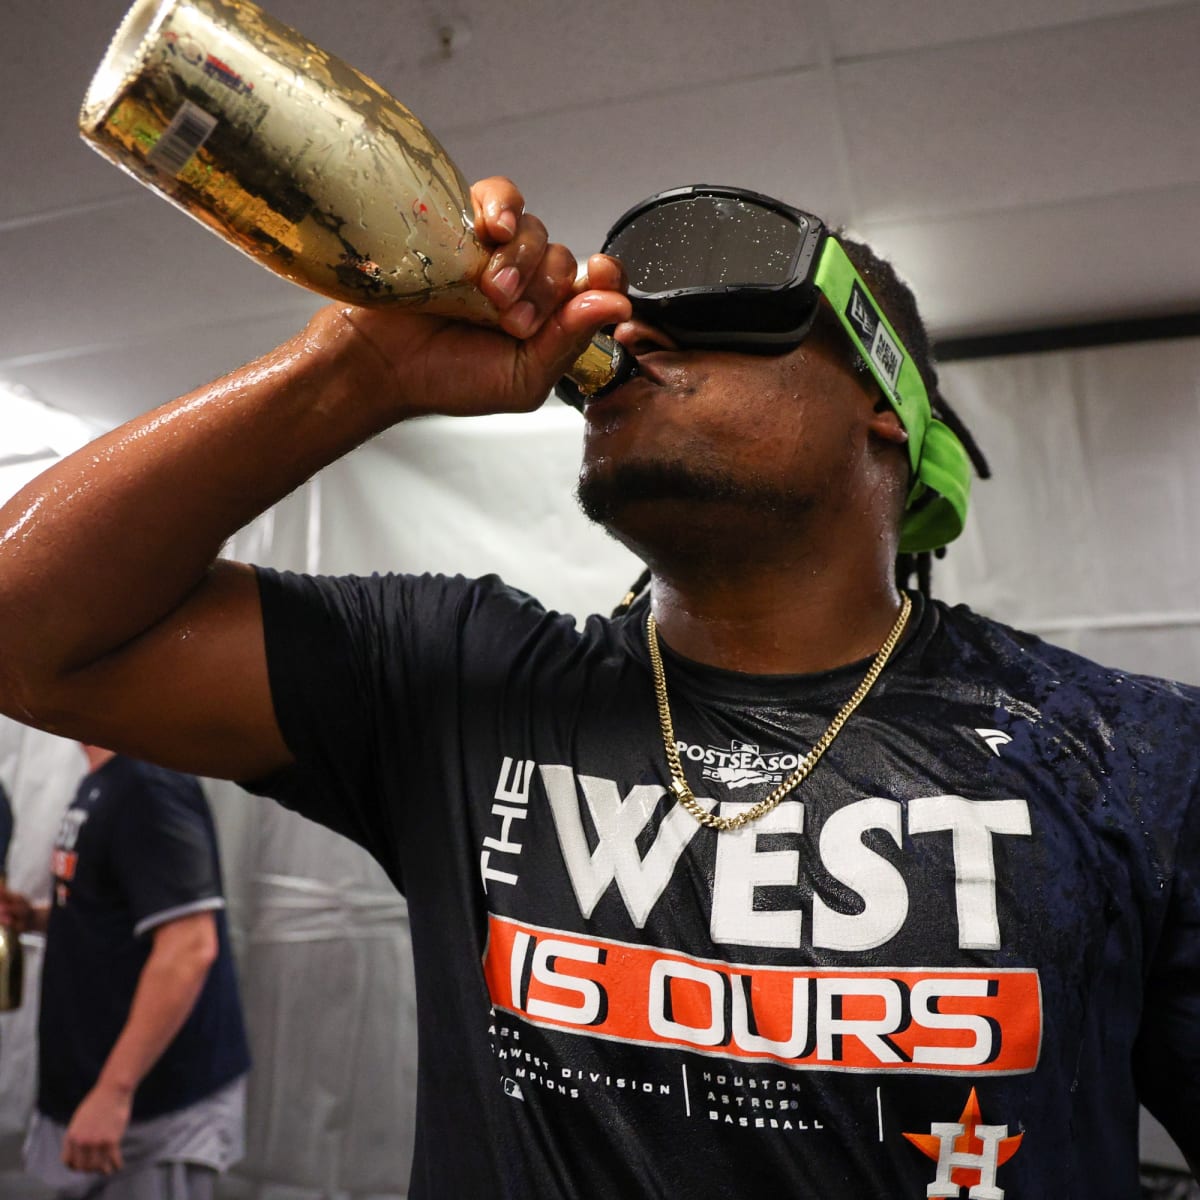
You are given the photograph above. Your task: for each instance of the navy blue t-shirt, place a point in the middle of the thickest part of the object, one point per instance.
(136, 849)
(954, 958)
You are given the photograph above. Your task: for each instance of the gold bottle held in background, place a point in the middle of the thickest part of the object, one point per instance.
(298, 160)
(12, 962)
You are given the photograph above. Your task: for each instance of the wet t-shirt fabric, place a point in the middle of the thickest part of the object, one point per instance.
(955, 957)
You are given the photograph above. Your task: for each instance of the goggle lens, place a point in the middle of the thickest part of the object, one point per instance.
(706, 242)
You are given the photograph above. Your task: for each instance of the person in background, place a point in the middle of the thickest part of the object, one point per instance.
(142, 1053)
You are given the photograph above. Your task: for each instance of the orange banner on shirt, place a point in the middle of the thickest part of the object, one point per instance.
(851, 1019)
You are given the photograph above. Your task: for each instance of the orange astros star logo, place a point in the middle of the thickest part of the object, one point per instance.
(967, 1152)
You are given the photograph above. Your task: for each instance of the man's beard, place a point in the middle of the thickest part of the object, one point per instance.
(606, 498)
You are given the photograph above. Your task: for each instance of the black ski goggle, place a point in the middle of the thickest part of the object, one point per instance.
(731, 269)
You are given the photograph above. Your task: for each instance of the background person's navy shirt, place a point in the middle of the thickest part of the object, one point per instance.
(136, 849)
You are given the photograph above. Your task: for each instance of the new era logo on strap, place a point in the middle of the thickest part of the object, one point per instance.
(995, 738)
(883, 349)
(861, 316)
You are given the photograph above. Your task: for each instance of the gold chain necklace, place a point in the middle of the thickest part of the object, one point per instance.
(679, 784)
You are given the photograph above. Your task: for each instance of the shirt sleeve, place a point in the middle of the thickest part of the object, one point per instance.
(1167, 1056)
(163, 851)
(366, 677)
(382, 683)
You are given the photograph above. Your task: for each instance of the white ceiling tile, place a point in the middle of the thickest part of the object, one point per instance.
(1122, 256)
(120, 272)
(547, 55)
(51, 52)
(869, 27)
(581, 170)
(1089, 110)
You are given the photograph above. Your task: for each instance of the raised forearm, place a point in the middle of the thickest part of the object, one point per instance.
(133, 521)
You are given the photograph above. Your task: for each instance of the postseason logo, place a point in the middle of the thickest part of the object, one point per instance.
(882, 348)
(741, 765)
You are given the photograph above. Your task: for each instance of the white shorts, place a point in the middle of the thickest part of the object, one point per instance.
(173, 1157)
(156, 1181)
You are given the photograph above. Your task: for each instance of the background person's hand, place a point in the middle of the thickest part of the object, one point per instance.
(93, 1139)
(19, 913)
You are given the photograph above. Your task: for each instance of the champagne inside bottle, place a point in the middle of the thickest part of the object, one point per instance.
(12, 964)
(298, 160)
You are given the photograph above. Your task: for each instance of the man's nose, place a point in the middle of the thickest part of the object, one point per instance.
(640, 337)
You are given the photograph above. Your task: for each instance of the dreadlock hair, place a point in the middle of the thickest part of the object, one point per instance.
(900, 307)
(899, 304)
(639, 585)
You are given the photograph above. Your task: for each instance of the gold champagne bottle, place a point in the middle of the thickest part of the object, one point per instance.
(297, 159)
(12, 962)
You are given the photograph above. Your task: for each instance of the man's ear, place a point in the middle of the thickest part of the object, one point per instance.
(885, 423)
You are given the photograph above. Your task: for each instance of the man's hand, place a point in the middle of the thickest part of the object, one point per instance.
(19, 913)
(548, 313)
(93, 1139)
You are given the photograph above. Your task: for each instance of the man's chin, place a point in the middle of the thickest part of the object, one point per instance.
(612, 497)
(605, 495)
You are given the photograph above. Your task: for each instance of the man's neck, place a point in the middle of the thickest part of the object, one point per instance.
(781, 622)
(778, 590)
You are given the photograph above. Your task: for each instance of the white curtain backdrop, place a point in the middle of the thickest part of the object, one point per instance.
(1085, 535)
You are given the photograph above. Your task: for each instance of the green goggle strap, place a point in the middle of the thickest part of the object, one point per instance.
(941, 469)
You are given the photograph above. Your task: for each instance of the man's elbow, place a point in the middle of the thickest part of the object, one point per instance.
(203, 947)
(189, 945)
(29, 694)
(17, 699)
(205, 953)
